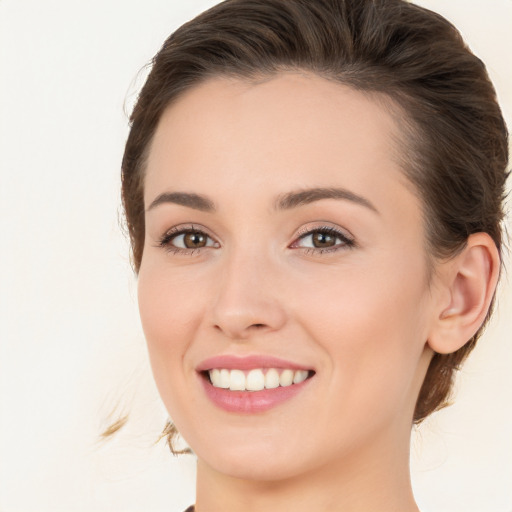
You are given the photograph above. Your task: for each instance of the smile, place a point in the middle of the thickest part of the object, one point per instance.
(256, 379)
(252, 384)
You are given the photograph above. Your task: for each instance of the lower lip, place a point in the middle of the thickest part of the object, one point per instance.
(250, 402)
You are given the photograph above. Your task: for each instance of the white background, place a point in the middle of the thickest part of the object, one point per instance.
(71, 347)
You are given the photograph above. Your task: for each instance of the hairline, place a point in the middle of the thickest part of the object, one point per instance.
(404, 138)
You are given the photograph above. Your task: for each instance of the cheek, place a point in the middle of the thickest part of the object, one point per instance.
(169, 312)
(372, 326)
(169, 303)
(363, 300)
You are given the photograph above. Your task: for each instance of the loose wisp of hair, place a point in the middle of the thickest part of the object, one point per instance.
(454, 141)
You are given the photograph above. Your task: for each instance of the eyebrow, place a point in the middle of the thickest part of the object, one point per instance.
(307, 196)
(190, 200)
(286, 201)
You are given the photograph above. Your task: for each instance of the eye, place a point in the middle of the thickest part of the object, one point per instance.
(186, 240)
(325, 239)
(191, 240)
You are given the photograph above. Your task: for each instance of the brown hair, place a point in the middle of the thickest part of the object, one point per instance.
(454, 148)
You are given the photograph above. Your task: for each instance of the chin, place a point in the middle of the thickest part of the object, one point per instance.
(257, 470)
(267, 460)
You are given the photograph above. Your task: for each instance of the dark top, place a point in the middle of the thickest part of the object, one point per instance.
(190, 509)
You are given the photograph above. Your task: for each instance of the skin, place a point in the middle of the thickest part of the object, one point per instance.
(359, 314)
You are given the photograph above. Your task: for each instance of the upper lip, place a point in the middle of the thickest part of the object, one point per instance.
(232, 362)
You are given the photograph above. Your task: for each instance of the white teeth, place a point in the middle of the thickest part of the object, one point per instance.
(272, 379)
(224, 379)
(286, 378)
(237, 380)
(220, 378)
(300, 376)
(215, 377)
(255, 380)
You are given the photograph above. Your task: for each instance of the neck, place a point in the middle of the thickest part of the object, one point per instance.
(372, 479)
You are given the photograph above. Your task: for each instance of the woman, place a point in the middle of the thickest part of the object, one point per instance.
(313, 191)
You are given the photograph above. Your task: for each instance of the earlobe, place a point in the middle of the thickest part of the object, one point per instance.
(470, 280)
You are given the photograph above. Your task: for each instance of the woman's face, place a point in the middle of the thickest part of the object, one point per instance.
(283, 241)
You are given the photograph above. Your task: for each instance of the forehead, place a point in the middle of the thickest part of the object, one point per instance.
(288, 131)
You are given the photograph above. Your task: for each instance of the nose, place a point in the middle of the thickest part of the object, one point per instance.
(247, 299)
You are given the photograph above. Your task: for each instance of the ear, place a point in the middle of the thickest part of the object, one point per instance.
(468, 283)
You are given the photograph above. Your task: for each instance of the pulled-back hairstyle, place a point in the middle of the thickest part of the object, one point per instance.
(454, 147)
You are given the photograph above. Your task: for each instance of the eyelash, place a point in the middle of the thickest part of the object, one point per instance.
(165, 241)
(346, 241)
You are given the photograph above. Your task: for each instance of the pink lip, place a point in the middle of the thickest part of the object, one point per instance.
(249, 401)
(231, 362)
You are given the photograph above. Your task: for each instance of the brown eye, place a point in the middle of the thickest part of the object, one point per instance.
(187, 240)
(194, 240)
(321, 240)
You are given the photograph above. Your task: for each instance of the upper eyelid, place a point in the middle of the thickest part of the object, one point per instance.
(307, 230)
(165, 240)
(187, 228)
(347, 240)
(300, 234)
